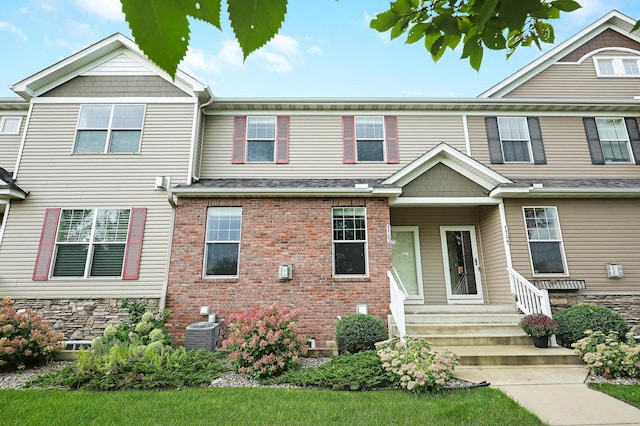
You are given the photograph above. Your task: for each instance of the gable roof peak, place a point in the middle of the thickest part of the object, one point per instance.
(612, 20)
(74, 65)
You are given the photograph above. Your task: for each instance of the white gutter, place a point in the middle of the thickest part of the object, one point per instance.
(533, 191)
(5, 217)
(286, 192)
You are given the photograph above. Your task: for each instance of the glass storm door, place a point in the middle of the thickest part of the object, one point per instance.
(462, 274)
(405, 254)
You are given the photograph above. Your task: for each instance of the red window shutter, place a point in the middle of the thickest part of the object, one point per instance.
(391, 139)
(239, 139)
(282, 140)
(133, 252)
(348, 140)
(47, 245)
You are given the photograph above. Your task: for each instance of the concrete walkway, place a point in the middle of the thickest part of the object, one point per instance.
(556, 394)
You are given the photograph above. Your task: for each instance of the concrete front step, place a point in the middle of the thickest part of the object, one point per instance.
(485, 329)
(476, 339)
(522, 355)
(458, 318)
(460, 309)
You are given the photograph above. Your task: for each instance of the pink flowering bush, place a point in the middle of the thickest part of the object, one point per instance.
(415, 365)
(608, 355)
(24, 337)
(263, 342)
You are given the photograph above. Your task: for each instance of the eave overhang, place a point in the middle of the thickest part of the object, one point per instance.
(537, 192)
(196, 191)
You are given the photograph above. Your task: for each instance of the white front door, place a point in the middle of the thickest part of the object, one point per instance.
(461, 264)
(405, 254)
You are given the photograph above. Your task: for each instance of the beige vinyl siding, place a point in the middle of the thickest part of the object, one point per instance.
(494, 260)
(55, 177)
(577, 81)
(315, 147)
(594, 232)
(10, 145)
(115, 86)
(566, 149)
(429, 221)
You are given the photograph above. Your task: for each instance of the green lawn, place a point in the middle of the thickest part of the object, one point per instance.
(627, 393)
(261, 406)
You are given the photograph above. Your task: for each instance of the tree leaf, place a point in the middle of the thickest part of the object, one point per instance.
(416, 32)
(161, 30)
(566, 5)
(204, 10)
(384, 21)
(255, 22)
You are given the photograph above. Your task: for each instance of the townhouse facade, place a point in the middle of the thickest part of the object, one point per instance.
(124, 184)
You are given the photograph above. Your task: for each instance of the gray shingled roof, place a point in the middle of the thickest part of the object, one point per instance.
(282, 183)
(6, 181)
(576, 183)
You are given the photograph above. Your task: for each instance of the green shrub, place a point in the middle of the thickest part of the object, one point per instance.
(25, 339)
(264, 342)
(415, 365)
(145, 327)
(359, 332)
(576, 320)
(124, 366)
(351, 372)
(608, 355)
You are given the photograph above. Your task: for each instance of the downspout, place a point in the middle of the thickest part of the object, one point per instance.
(5, 217)
(172, 201)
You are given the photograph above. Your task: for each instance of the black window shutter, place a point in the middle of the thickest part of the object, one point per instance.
(634, 137)
(537, 147)
(595, 149)
(493, 137)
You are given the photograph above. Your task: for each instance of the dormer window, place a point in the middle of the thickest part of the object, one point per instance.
(617, 66)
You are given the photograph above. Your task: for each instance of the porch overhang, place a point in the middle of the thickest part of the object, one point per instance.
(8, 188)
(442, 201)
(569, 188)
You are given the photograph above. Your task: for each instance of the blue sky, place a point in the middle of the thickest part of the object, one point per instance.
(324, 49)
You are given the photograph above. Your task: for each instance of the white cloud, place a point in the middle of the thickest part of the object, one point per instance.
(107, 9)
(230, 53)
(315, 50)
(279, 54)
(5, 26)
(199, 61)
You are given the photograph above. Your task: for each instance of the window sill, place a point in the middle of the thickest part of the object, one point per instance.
(222, 279)
(355, 279)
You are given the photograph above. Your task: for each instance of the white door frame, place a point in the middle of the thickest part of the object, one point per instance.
(461, 298)
(419, 298)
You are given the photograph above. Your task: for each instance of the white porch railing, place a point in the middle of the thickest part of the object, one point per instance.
(398, 296)
(529, 298)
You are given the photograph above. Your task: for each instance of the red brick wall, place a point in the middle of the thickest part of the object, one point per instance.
(277, 231)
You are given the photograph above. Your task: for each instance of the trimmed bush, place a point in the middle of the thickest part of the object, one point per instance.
(578, 319)
(264, 343)
(359, 332)
(25, 339)
(351, 372)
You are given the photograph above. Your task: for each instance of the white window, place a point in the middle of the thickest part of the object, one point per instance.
(545, 241)
(109, 128)
(10, 125)
(614, 140)
(369, 139)
(91, 243)
(261, 137)
(515, 140)
(223, 241)
(349, 241)
(617, 67)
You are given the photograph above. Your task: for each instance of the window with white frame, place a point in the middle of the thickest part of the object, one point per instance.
(515, 140)
(617, 67)
(349, 241)
(369, 139)
(10, 125)
(545, 240)
(614, 140)
(91, 243)
(223, 241)
(261, 138)
(109, 129)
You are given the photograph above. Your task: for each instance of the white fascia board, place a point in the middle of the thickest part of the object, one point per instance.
(117, 100)
(283, 192)
(442, 201)
(556, 53)
(11, 193)
(531, 192)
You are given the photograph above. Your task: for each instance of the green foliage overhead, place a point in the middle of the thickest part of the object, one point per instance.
(494, 24)
(161, 28)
